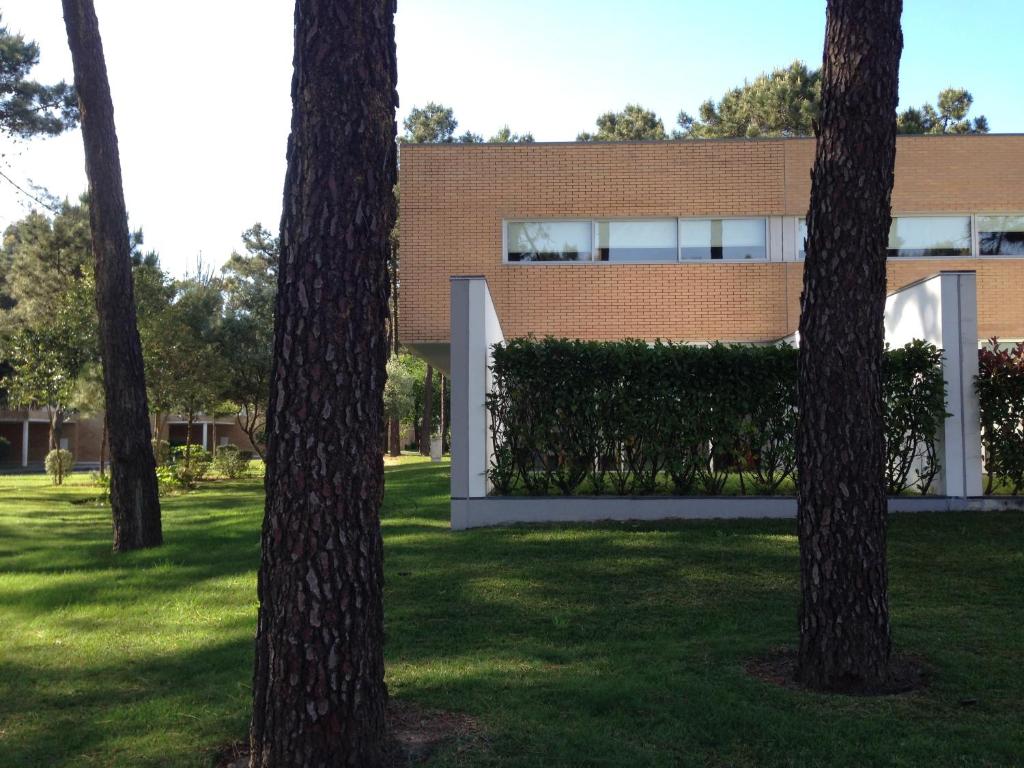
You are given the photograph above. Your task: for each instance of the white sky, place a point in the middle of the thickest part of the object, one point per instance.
(201, 89)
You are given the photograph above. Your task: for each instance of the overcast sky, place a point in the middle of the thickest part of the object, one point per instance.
(201, 89)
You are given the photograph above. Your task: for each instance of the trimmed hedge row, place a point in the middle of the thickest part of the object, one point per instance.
(631, 418)
(1000, 386)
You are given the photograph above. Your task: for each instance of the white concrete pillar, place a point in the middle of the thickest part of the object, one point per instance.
(943, 310)
(24, 443)
(206, 445)
(474, 331)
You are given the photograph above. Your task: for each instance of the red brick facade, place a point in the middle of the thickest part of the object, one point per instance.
(455, 199)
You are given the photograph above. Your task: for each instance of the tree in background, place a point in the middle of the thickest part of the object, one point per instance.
(29, 108)
(249, 282)
(785, 102)
(506, 136)
(399, 398)
(47, 357)
(44, 257)
(950, 117)
(426, 425)
(845, 642)
(318, 685)
(134, 497)
(633, 123)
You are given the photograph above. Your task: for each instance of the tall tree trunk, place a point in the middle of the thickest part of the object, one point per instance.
(442, 413)
(844, 614)
(395, 439)
(134, 500)
(103, 448)
(428, 410)
(318, 685)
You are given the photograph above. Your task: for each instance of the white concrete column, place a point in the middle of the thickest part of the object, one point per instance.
(24, 443)
(943, 310)
(474, 331)
(206, 445)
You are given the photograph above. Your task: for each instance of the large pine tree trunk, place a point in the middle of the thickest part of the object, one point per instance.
(318, 686)
(844, 614)
(134, 500)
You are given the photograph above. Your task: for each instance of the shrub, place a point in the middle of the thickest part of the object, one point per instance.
(191, 463)
(5, 449)
(229, 462)
(166, 480)
(1000, 387)
(102, 481)
(635, 418)
(59, 464)
(161, 452)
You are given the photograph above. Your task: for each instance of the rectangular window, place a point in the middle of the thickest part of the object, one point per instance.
(801, 238)
(930, 236)
(637, 241)
(726, 239)
(1000, 235)
(549, 241)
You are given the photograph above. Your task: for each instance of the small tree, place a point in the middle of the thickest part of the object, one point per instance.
(399, 396)
(633, 123)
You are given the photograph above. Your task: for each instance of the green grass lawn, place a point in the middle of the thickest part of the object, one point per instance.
(613, 645)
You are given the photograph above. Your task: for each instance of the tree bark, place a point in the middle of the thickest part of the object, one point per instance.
(134, 500)
(844, 614)
(395, 439)
(428, 410)
(318, 685)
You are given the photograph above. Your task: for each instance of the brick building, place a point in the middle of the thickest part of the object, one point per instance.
(684, 240)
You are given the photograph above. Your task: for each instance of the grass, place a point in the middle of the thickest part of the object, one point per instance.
(612, 645)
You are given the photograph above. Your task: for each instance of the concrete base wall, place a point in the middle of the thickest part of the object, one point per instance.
(505, 510)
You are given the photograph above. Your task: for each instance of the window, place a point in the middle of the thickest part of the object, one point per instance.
(549, 241)
(930, 236)
(801, 238)
(1000, 235)
(728, 239)
(637, 241)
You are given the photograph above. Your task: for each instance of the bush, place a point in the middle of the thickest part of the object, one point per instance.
(102, 481)
(636, 418)
(166, 480)
(59, 464)
(191, 463)
(5, 449)
(1000, 387)
(229, 462)
(161, 452)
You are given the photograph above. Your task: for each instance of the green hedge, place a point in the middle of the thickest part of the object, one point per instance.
(1000, 386)
(630, 418)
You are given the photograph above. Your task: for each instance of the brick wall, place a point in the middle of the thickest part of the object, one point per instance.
(455, 197)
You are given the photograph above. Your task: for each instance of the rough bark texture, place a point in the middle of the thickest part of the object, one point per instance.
(428, 410)
(395, 437)
(844, 614)
(134, 500)
(318, 685)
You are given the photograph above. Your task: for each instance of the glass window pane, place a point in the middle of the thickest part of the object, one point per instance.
(801, 238)
(1000, 235)
(549, 241)
(930, 236)
(732, 239)
(637, 240)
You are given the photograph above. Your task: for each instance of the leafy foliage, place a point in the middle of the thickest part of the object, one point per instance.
(29, 108)
(191, 463)
(784, 102)
(787, 102)
(1000, 387)
(635, 418)
(950, 117)
(633, 123)
(399, 389)
(229, 462)
(59, 463)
